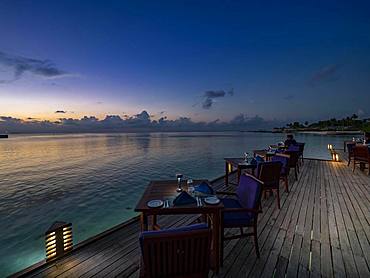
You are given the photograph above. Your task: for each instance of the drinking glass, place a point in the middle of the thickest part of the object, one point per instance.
(191, 188)
(179, 177)
(246, 157)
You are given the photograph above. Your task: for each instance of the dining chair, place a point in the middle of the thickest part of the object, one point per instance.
(350, 147)
(284, 174)
(269, 173)
(301, 150)
(361, 156)
(241, 210)
(293, 161)
(178, 252)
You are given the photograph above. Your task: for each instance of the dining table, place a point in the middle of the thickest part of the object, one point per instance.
(240, 164)
(166, 191)
(266, 154)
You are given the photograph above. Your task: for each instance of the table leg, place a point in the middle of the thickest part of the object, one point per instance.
(216, 240)
(154, 222)
(239, 174)
(144, 222)
(226, 173)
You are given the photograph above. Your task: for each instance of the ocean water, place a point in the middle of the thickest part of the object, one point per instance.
(95, 180)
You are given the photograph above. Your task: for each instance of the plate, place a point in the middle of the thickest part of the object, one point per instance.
(155, 203)
(212, 200)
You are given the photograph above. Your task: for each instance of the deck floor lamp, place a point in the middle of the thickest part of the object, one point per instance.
(58, 240)
(333, 152)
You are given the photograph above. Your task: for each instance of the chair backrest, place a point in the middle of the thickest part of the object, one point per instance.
(284, 159)
(361, 152)
(269, 172)
(176, 253)
(293, 158)
(249, 192)
(301, 146)
(293, 148)
(350, 147)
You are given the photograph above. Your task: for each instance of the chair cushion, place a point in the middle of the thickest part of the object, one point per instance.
(284, 161)
(235, 219)
(248, 192)
(293, 148)
(204, 188)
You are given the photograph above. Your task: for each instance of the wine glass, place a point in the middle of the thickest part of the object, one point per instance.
(191, 188)
(179, 177)
(246, 157)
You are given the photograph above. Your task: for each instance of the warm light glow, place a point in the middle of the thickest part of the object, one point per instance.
(230, 167)
(51, 255)
(337, 157)
(58, 240)
(50, 247)
(48, 243)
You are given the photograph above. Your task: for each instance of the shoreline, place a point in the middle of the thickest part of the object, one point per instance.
(315, 132)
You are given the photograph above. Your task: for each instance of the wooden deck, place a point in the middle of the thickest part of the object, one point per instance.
(322, 229)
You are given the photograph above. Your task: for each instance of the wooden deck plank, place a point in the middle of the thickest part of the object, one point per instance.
(321, 230)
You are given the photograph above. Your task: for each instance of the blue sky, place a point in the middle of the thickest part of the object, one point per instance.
(282, 60)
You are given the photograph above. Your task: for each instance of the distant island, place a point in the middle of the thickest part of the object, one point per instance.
(348, 125)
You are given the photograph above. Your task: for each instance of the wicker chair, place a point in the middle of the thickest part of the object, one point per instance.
(180, 252)
(243, 210)
(361, 156)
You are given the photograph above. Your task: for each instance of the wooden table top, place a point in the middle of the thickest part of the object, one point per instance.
(166, 190)
(239, 162)
(263, 153)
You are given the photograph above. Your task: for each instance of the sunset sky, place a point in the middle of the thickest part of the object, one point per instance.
(205, 60)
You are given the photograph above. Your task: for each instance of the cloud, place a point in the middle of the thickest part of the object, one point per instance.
(60, 111)
(360, 112)
(21, 65)
(136, 123)
(210, 96)
(326, 73)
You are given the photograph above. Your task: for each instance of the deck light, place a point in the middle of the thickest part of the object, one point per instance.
(335, 156)
(58, 240)
(230, 168)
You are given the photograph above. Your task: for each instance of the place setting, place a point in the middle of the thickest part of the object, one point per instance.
(198, 194)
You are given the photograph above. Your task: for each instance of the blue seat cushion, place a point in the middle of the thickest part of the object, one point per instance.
(235, 219)
(193, 227)
(204, 188)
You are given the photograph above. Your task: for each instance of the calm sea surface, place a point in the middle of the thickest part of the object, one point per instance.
(94, 181)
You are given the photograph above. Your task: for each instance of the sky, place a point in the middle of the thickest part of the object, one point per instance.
(203, 61)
